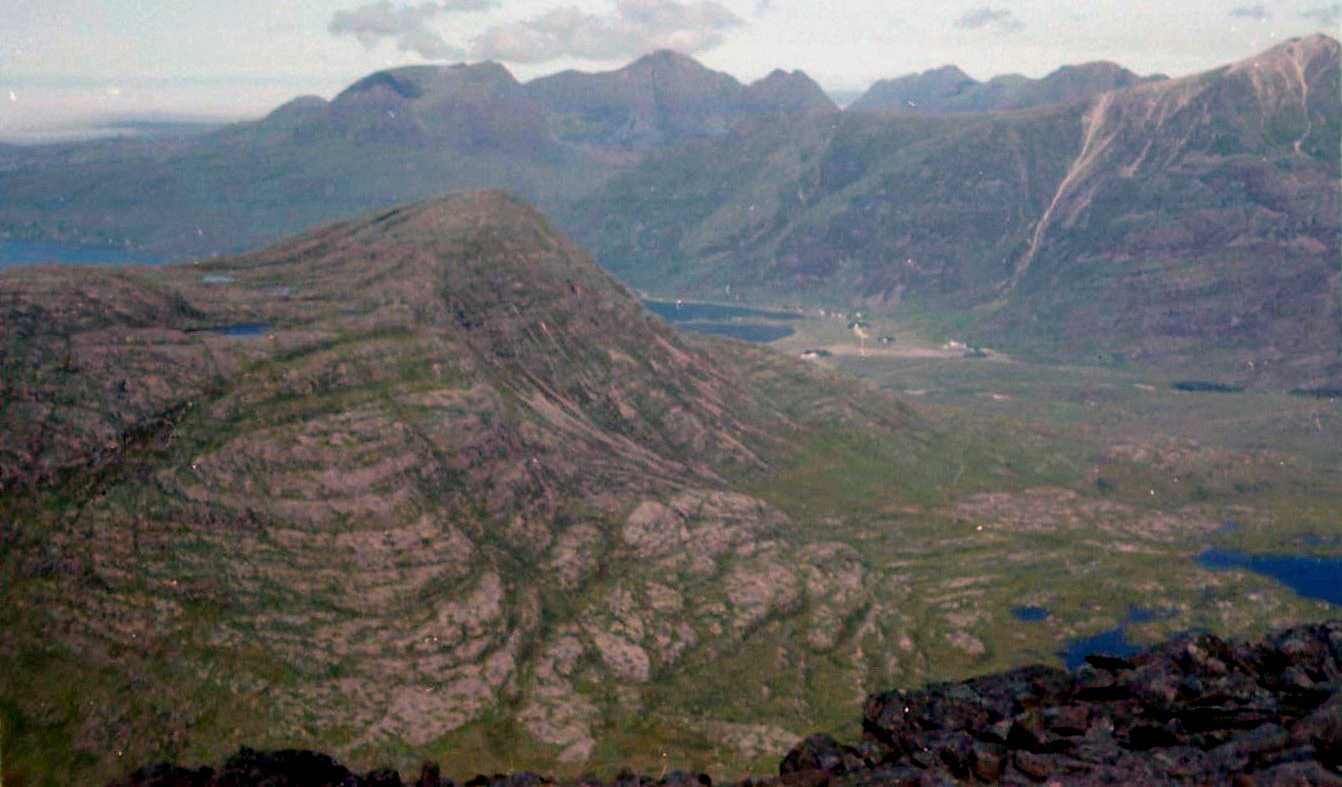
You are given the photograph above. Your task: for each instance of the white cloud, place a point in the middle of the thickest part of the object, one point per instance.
(1328, 16)
(1258, 13)
(1000, 20)
(634, 28)
(405, 25)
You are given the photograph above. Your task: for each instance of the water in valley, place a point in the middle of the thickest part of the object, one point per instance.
(30, 252)
(1309, 576)
(736, 322)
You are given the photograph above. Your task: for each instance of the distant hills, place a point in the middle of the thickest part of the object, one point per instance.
(1089, 214)
(948, 89)
(666, 98)
(1172, 222)
(396, 135)
(661, 99)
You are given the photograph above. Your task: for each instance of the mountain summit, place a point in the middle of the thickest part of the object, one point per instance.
(467, 107)
(665, 98)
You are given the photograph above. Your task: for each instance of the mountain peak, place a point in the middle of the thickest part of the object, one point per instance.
(1321, 42)
(468, 107)
(414, 82)
(459, 216)
(933, 90)
(788, 93)
(431, 216)
(948, 73)
(667, 58)
(949, 89)
(297, 108)
(1104, 68)
(661, 98)
(1301, 50)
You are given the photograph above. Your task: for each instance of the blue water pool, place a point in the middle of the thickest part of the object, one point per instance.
(1309, 576)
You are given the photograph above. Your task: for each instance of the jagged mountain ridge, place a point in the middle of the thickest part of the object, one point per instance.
(661, 99)
(1174, 220)
(394, 136)
(949, 90)
(472, 108)
(667, 98)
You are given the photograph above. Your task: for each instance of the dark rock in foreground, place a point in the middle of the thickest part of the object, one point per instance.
(1197, 709)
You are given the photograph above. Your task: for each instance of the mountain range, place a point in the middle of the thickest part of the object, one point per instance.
(1187, 223)
(393, 136)
(948, 89)
(667, 98)
(1088, 215)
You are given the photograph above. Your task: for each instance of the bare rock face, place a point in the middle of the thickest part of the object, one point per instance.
(697, 527)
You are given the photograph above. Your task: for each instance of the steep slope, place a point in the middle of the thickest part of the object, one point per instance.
(855, 205)
(665, 98)
(948, 90)
(1175, 221)
(1206, 208)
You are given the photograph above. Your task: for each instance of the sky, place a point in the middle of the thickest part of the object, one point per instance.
(67, 65)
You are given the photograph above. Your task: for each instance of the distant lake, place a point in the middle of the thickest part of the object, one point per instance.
(689, 311)
(750, 332)
(34, 252)
(241, 330)
(1309, 576)
(723, 320)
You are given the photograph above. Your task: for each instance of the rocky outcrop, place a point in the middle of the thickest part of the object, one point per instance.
(1198, 708)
